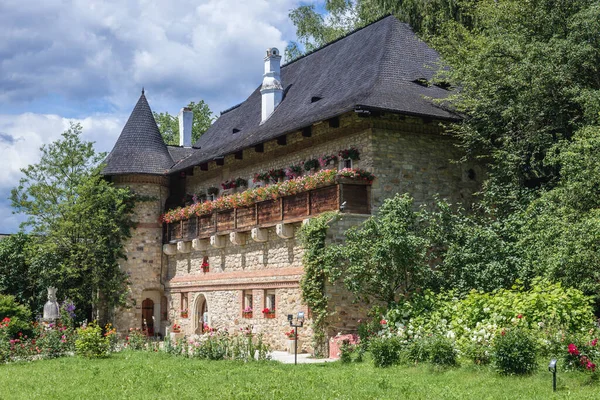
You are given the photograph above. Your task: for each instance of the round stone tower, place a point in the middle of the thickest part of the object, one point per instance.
(140, 160)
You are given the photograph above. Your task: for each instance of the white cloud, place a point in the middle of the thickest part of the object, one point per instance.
(179, 50)
(21, 137)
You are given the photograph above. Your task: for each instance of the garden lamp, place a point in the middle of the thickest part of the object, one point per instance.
(298, 324)
(552, 368)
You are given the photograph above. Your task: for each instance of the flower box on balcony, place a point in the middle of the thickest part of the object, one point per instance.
(184, 314)
(247, 314)
(270, 315)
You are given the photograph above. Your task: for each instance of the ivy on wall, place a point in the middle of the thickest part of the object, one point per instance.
(318, 263)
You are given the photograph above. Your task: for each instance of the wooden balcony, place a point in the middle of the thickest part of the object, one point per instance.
(355, 197)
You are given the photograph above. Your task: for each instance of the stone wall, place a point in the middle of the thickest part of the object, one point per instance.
(413, 157)
(405, 154)
(144, 262)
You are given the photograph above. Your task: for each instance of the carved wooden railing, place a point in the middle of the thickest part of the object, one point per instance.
(354, 196)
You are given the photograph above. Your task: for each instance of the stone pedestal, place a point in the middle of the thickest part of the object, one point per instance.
(291, 346)
(175, 335)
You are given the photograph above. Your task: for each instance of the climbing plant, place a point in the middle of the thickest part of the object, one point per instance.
(318, 263)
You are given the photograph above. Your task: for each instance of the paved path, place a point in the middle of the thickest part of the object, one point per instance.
(304, 358)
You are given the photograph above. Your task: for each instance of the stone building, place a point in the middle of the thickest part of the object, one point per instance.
(367, 99)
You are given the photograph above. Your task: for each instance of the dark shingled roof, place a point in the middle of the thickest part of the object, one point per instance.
(140, 148)
(374, 67)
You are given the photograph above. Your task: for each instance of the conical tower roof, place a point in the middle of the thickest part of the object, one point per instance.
(140, 149)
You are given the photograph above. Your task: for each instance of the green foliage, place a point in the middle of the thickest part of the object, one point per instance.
(136, 339)
(417, 350)
(563, 226)
(168, 124)
(82, 221)
(18, 275)
(515, 352)
(91, 343)
(20, 316)
(384, 258)
(346, 350)
(318, 266)
(442, 351)
(427, 18)
(385, 351)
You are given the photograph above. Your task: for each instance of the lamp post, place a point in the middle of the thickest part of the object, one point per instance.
(552, 369)
(298, 324)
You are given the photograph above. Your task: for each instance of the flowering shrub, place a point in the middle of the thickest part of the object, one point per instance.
(136, 339)
(582, 356)
(91, 343)
(176, 328)
(270, 192)
(262, 177)
(385, 351)
(241, 182)
(515, 352)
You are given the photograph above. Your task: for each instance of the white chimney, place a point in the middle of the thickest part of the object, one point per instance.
(186, 118)
(271, 90)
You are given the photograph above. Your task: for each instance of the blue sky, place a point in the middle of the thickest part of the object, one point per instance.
(86, 61)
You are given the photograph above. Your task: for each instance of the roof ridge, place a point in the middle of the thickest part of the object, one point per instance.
(350, 33)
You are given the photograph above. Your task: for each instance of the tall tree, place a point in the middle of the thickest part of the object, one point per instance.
(168, 124)
(81, 220)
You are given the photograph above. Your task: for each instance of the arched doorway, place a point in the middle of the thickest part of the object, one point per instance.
(147, 314)
(200, 311)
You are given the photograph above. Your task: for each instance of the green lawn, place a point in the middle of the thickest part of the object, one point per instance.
(140, 375)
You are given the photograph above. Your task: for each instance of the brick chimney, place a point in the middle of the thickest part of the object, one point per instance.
(271, 90)
(186, 118)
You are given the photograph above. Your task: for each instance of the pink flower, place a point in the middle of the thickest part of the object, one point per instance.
(383, 322)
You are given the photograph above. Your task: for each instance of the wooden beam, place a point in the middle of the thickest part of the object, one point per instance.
(239, 155)
(282, 140)
(204, 167)
(307, 132)
(259, 148)
(220, 161)
(334, 122)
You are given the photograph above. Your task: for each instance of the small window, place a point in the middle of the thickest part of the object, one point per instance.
(184, 305)
(270, 300)
(347, 163)
(247, 306)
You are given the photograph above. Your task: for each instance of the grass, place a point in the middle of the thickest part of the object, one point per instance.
(140, 375)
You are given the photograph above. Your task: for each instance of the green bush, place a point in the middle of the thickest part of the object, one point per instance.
(442, 351)
(515, 352)
(385, 351)
(91, 343)
(417, 350)
(136, 340)
(19, 315)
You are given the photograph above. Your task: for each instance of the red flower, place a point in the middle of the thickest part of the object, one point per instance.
(573, 350)
(594, 342)
(520, 316)
(383, 322)
(503, 333)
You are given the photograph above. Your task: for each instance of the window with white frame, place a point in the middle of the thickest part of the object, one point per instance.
(270, 300)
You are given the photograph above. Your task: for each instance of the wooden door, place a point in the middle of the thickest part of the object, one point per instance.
(147, 313)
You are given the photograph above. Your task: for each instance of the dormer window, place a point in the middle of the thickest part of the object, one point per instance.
(235, 130)
(314, 99)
